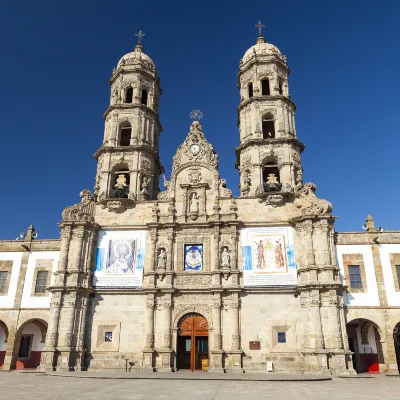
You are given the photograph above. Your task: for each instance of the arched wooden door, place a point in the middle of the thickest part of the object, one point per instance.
(192, 342)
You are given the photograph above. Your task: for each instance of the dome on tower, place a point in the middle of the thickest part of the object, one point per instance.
(136, 57)
(261, 48)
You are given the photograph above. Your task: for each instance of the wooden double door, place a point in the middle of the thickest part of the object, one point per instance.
(192, 349)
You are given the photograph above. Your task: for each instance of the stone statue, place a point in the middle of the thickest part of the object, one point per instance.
(145, 188)
(225, 258)
(245, 187)
(121, 182)
(162, 259)
(272, 179)
(194, 203)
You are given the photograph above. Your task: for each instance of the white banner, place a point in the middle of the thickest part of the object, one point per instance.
(268, 256)
(120, 259)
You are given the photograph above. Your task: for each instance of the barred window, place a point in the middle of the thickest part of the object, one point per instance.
(355, 277)
(41, 282)
(3, 281)
(281, 337)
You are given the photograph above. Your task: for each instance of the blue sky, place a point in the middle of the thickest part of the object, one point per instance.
(57, 59)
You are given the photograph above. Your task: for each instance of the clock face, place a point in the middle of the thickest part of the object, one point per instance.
(195, 149)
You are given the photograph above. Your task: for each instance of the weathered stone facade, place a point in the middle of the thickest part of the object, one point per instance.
(285, 328)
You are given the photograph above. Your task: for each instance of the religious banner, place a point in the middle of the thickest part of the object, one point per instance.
(120, 259)
(268, 256)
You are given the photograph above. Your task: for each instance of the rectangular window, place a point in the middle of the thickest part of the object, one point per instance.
(397, 274)
(355, 277)
(3, 281)
(281, 337)
(25, 347)
(41, 282)
(108, 337)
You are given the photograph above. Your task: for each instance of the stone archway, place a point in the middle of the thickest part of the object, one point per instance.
(29, 341)
(365, 341)
(192, 342)
(396, 340)
(4, 333)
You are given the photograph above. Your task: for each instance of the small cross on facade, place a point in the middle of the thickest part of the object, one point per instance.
(260, 26)
(139, 36)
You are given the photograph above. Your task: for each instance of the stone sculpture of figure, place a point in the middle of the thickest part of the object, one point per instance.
(245, 188)
(162, 259)
(225, 258)
(194, 203)
(121, 182)
(145, 188)
(272, 179)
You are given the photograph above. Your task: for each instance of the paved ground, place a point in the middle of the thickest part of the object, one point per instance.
(16, 386)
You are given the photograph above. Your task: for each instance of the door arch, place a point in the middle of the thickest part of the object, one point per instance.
(192, 343)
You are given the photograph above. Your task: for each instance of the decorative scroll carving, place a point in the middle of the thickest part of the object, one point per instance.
(310, 204)
(193, 280)
(194, 175)
(82, 212)
(118, 206)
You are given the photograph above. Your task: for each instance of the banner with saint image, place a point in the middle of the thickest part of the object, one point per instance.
(268, 256)
(120, 259)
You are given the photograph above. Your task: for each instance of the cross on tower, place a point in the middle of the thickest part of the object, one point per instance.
(260, 26)
(139, 36)
(196, 115)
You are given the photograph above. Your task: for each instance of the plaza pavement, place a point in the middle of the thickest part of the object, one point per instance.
(33, 386)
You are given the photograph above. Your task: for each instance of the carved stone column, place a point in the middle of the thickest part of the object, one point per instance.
(64, 249)
(215, 264)
(148, 351)
(166, 350)
(170, 251)
(81, 347)
(150, 266)
(235, 353)
(217, 352)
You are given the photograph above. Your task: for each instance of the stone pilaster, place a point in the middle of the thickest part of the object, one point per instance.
(166, 350)
(235, 353)
(216, 350)
(148, 351)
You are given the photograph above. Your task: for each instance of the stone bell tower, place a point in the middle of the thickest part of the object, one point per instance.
(128, 163)
(268, 156)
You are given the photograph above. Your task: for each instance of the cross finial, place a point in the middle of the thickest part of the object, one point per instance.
(139, 36)
(260, 26)
(196, 115)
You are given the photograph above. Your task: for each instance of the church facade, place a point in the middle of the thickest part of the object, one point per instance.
(192, 277)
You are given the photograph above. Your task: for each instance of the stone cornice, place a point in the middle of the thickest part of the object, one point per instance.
(143, 69)
(263, 99)
(131, 106)
(261, 59)
(268, 142)
(125, 149)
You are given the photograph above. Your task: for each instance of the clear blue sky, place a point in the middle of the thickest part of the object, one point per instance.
(57, 58)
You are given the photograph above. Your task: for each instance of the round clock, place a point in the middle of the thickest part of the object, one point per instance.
(195, 149)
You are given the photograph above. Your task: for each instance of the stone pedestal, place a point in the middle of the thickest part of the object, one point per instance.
(165, 361)
(66, 360)
(148, 360)
(217, 361)
(233, 363)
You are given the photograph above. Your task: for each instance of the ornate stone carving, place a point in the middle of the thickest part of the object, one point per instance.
(118, 206)
(167, 193)
(68, 339)
(224, 192)
(81, 212)
(145, 167)
(225, 258)
(310, 204)
(235, 342)
(194, 175)
(51, 339)
(193, 280)
(246, 162)
(162, 258)
(149, 341)
(218, 342)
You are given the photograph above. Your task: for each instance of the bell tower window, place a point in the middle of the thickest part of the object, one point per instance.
(120, 187)
(268, 127)
(144, 97)
(265, 87)
(250, 90)
(271, 179)
(129, 95)
(280, 89)
(125, 135)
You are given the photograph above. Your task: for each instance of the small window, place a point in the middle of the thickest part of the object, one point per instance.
(3, 281)
(280, 88)
(41, 282)
(108, 337)
(397, 273)
(125, 136)
(268, 127)
(250, 89)
(129, 95)
(281, 337)
(265, 87)
(144, 97)
(355, 277)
